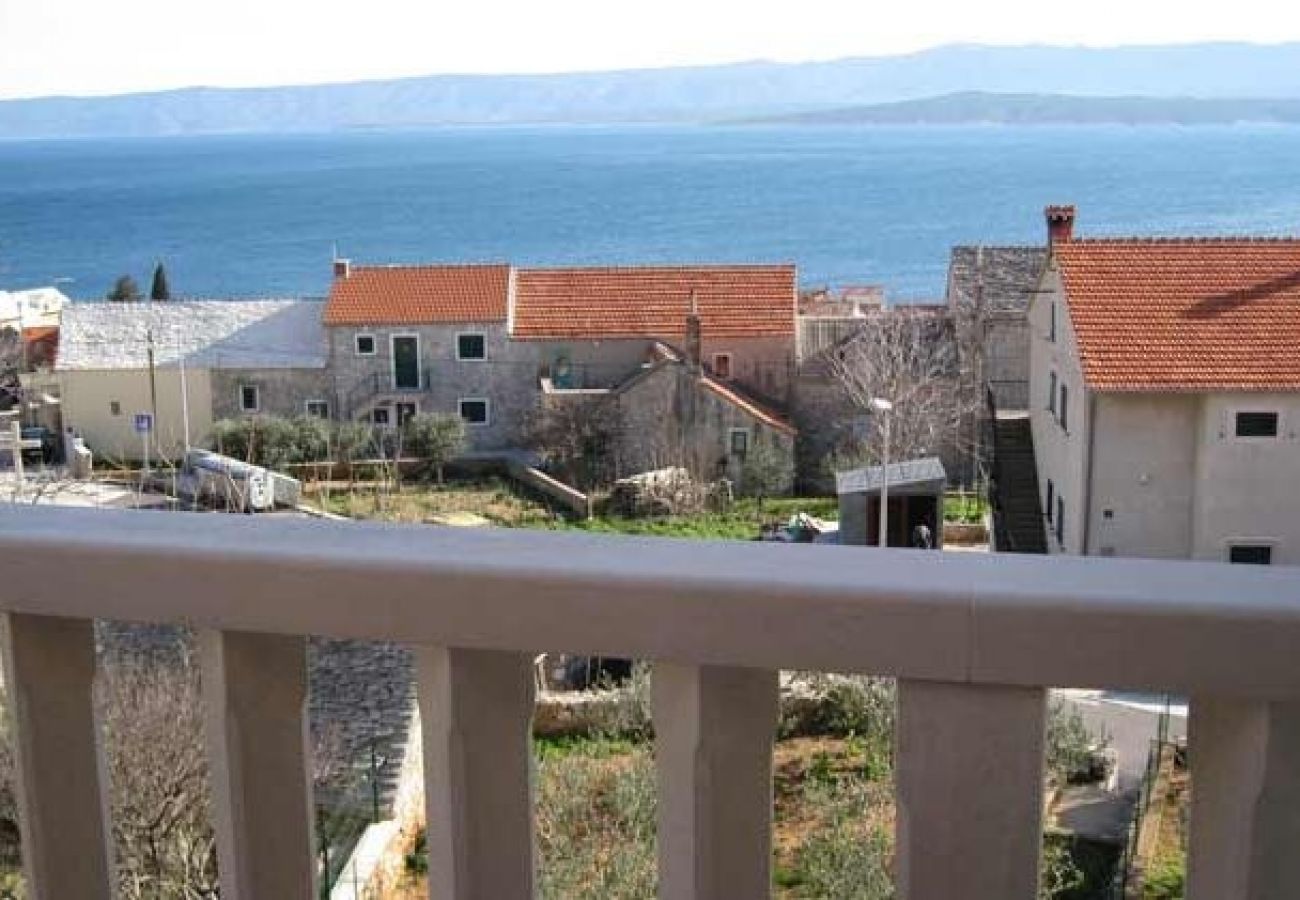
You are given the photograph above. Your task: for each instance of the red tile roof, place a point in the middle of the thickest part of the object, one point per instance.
(753, 407)
(417, 295)
(653, 301)
(1185, 314)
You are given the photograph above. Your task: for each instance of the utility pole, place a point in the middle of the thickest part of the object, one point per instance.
(153, 382)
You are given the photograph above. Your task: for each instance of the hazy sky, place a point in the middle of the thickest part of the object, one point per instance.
(112, 46)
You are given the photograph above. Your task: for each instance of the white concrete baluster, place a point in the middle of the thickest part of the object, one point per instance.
(1245, 764)
(476, 712)
(49, 670)
(255, 701)
(970, 791)
(714, 729)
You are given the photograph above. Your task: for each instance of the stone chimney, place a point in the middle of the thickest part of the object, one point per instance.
(342, 267)
(1060, 224)
(693, 336)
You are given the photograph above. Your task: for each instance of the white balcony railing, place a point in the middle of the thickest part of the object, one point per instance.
(973, 640)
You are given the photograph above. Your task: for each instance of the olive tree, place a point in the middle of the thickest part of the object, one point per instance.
(434, 438)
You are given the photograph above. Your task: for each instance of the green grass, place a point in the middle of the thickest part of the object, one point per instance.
(968, 509)
(741, 522)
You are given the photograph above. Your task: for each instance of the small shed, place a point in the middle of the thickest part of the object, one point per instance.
(915, 491)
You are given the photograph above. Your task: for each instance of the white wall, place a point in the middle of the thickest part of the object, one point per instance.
(1144, 475)
(1248, 489)
(1061, 454)
(88, 396)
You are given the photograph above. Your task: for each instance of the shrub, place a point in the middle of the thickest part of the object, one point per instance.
(311, 439)
(1166, 881)
(1073, 752)
(436, 438)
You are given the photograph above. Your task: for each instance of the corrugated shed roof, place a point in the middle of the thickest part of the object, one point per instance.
(917, 474)
(1185, 314)
(419, 295)
(653, 301)
(1003, 278)
(218, 334)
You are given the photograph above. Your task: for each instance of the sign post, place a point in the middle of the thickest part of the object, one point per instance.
(144, 427)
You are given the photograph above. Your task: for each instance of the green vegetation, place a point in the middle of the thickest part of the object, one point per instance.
(1166, 880)
(966, 508)
(159, 290)
(124, 290)
(494, 499)
(435, 438)
(740, 522)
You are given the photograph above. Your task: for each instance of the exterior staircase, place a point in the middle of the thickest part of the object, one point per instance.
(1013, 492)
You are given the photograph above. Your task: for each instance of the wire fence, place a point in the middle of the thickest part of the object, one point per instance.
(1125, 879)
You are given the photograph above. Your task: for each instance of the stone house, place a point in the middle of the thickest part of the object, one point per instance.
(1165, 396)
(491, 341)
(989, 290)
(211, 359)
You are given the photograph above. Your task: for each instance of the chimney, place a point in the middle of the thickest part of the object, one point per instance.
(342, 267)
(693, 337)
(1060, 224)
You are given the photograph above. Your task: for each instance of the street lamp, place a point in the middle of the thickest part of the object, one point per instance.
(883, 406)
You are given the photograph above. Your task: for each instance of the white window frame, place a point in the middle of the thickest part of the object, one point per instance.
(356, 344)
(1254, 438)
(387, 410)
(307, 405)
(487, 411)
(1269, 542)
(731, 442)
(257, 398)
(392, 361)
(731, 365)
(475, 359)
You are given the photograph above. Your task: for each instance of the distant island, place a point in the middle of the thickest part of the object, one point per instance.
(963, 83)
(976, 108)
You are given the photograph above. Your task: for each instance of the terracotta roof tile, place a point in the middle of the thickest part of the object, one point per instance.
(1182, 314)
(753, 407)
(417, 295)
(653, 301)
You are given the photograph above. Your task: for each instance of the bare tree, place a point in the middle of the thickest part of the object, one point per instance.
(909, 357)
(11, 362)
(578, 438)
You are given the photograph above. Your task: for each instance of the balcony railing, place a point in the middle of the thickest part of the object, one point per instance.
(973, 639)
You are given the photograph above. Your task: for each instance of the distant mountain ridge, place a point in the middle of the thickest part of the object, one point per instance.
(976, 108)
(694, 94)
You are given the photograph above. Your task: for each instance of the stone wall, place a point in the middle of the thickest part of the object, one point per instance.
(281, 392)
(671, 419)
(507, 377)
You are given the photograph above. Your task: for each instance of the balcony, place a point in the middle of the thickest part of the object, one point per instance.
(973, 640)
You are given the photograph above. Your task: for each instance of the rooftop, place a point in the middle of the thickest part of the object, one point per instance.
(418, 295)
(1185, 314)
(920, 475)
(653, 301)
(1001, 279)
(232, 334)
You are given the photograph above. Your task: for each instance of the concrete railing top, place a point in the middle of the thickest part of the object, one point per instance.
(1179, 626)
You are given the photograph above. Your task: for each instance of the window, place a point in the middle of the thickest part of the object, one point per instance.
(474, 411)
(379, 416)
(405, 413)
(1060, 519)
(1051, 322)
(365, 345)
(1063, 413)
(318, 409)
(722, 365)
(1051, 393)
(114, 408)
(1257, 424)
(250, 398)
(1051, 496)
(1251, 554)
(739, 441)
(471, 346)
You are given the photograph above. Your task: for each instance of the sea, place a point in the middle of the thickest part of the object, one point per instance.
(262, 216)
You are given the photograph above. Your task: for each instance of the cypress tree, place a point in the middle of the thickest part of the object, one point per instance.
(159, 290)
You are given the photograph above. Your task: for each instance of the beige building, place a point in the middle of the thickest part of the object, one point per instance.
(210, 359)
(1165, 396)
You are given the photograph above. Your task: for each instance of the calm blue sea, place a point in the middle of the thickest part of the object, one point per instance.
(258, 216)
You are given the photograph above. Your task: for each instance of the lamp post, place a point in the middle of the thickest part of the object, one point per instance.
(884, 407)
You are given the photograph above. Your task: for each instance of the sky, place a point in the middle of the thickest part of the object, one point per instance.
(85, 47)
